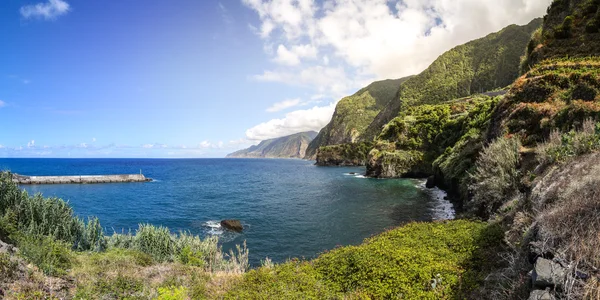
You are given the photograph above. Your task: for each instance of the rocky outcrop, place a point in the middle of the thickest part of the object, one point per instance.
(233, 225)
(540, 295)
(291, 146)
(547, 273)
(344, 155)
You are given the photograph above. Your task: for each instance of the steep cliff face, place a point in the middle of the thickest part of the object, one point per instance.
(353, 114)
(291, 146)
(478, 66)
(571, 28)
(411, 143)
(350, 154)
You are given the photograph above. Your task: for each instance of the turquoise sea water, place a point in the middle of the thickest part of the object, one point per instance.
(290, 208)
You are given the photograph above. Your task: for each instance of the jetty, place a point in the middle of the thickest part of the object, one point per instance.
(79, 179)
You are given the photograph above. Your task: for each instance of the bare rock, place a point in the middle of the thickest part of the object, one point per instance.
(233, 225)
(540, 295)
(547, 273)
(430, 182)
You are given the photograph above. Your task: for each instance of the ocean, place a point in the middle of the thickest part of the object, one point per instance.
(290, 208)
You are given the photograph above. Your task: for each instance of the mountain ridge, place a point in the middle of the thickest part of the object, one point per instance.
(290, 146)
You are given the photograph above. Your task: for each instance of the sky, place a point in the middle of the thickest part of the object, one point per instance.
(203, 78)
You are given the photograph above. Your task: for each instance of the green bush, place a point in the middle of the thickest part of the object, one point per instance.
(118, 287)
(172, 293)
(187, 256)
(51, 256)
(416, 261)
(560, 147)
(563, 31)
(496, 175)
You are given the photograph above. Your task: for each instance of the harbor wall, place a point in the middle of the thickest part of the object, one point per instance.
(81, 179)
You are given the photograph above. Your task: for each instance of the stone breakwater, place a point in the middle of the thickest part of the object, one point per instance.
(82, 179)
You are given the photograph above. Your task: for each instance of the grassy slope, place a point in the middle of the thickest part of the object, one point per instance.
(416, 261)
(291, 146)
(354, 113)
(478, 66)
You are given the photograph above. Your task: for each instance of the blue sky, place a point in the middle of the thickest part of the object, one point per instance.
(189, 78)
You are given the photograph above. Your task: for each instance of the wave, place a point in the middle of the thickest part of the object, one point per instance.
(442, 208)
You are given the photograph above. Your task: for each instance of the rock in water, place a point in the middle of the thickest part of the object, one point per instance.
(547, 273)
(430, 182)
(233, 225)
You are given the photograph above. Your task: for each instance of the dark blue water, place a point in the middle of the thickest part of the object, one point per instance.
(291, 208)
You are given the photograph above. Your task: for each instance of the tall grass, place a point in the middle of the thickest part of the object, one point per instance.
(496, 176)
(184, 247)
(36, 215)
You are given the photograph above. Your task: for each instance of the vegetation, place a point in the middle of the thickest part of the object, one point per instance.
(351, 154)
(424, 134)
(561, 147)
(570, 29)
(354, 113)
(557, 94)
(496, 175)
(416, 261)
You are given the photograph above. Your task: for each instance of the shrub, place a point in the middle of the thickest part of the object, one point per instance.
(117, 287)
(51, 256)
(7, 267)
(560, 147)
(563, 31)
(172, 293)
(496, 175)
(156, 241)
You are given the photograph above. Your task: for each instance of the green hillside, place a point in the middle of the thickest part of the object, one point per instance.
(478, 66)
(291, 146)
(354, 113)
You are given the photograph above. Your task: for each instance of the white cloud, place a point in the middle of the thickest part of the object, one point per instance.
(284, 105)
(2, 147)
(2, 103)
(82, 145)
(293, 122)
(292, 57)
(31, 144)
(151, 146)
(331, 80)
(205, 144)
(382, 38)
(93, 140)
(49, 10)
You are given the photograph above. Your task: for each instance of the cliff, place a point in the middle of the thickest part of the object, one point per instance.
(354, 113)
(291, 146)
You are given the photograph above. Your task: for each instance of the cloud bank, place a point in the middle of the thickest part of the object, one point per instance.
(334, 47)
